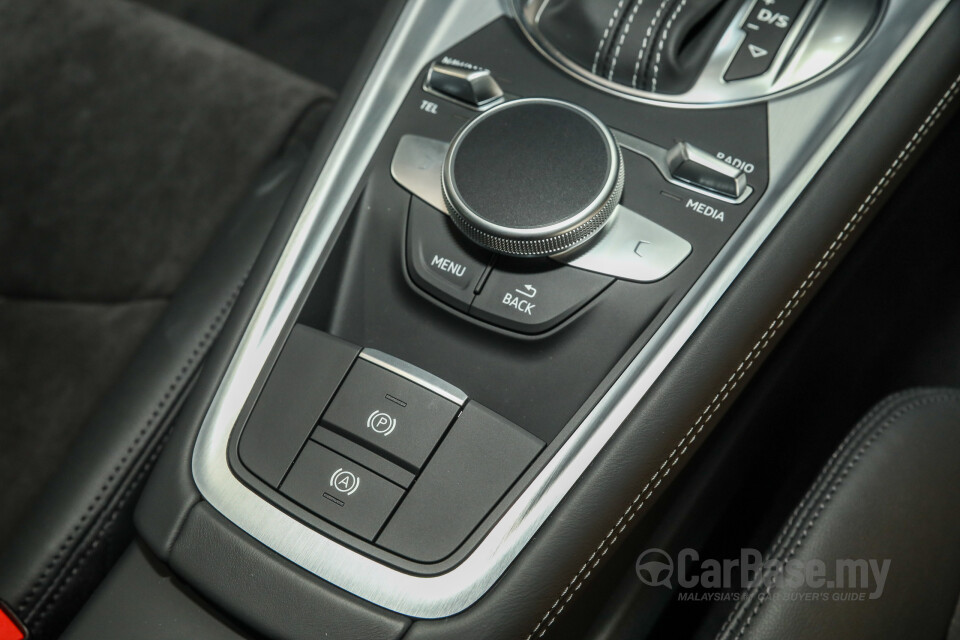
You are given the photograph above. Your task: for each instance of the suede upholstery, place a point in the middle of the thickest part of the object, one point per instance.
(126, 139)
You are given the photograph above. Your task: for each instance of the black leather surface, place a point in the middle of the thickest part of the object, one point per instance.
(83, 521)
(170, 492)
(679, 411)
(316, 611)
(644, 45)
(140, 599)
(891, 492)
(170, 499)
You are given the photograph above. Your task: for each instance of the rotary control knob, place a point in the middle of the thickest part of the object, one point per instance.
(532, 177)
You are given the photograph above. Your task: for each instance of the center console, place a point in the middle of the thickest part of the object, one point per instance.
(520, 238)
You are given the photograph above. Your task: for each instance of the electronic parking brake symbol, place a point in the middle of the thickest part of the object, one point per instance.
(381, 423)
(344, 481)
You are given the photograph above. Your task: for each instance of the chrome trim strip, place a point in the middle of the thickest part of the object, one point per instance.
(616, 251)
(805, 129)
(416, 167)
(415, 375)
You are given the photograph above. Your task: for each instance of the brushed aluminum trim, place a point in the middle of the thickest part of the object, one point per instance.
(415, 375)
(805, 128)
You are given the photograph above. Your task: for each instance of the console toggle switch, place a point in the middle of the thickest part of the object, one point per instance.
(389, 414)
(466, 83)
(533, 296)
(695, 166)
(766, 30)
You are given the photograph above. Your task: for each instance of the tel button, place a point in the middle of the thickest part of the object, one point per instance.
(440, 260)
(532, 296)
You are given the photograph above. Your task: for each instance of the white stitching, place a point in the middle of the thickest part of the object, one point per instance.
(623, 36)
(646, 40)
(663, 42)
(796, 541)
(761, 344)
(606, 33)
(817, 488)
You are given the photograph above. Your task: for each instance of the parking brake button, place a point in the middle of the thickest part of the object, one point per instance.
(389, 414)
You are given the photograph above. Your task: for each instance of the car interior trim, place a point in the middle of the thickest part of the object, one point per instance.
(423, 31)
(765, 340)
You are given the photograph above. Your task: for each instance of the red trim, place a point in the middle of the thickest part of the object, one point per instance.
(10, 628)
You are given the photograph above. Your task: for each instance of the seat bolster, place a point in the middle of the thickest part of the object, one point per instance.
(889, 495)
(83, 519)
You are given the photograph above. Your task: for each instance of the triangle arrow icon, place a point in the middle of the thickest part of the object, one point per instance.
(757, 52)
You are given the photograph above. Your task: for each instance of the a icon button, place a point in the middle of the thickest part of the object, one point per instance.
(345, 481)
(528, 290)
(341, 491)
(635, 249)
(533, 296)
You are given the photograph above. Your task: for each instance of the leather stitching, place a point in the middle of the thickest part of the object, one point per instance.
(135, 483)
(55, 567)
(606, 34)
(623, 36)
(832, 467)
(646, 40)
(839, 471)
(663, 42)
(741, 370)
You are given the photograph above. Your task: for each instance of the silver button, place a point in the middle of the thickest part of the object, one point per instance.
(631, 247)
(689, 164)
(476, 87)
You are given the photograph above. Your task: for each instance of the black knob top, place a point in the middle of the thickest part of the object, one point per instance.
(532, 177)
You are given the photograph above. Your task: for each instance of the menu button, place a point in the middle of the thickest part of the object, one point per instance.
(440, 260)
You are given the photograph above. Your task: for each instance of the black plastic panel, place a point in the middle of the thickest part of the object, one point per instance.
(306, 375)
(475, 465)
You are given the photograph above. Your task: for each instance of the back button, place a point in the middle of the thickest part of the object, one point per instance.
(532, 296)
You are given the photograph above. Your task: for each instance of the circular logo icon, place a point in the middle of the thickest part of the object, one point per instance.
(344, 481)
(655, 568)
(382, 423)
